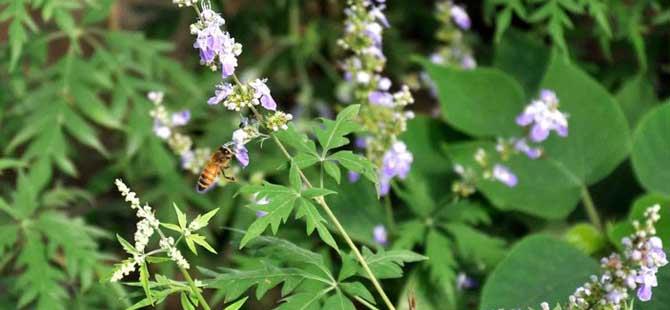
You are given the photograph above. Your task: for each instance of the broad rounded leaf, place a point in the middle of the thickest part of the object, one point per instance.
(598, 138)
(544, 188)
(481, 102)
(538, 269)
(651, 150)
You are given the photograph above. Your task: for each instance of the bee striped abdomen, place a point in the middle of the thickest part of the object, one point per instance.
(207, 177)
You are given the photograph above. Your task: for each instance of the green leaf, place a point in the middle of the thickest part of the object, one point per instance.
(586, 237)
(338, 302)
(129, 248)
(10, 163)
(234, 283)
(316, 192)
(201, 221)
(356, 163)
(332, 134)
(387, 264)
(144, 280)
(200, 240)
(441, 262)
(237, 305)
(636, 97)
(294, 177)
(281, 201)
(519, 47)
(299, 141)
(483, 102)
(332, 170)
(544, 261)
(424, 137)
(181, 217)
(544, 188)
(185, 302)
(357, 289)
(599, 138)
(650, 144)
(314, 220)
(78, 128)
(477, 247)
(172, 227)
(410, 233)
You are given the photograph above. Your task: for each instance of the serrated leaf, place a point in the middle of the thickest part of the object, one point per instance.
(172, 227)
(332, 170)
(338, 302)
(281, 201)
(316, 192)
(475, 246)
(201, 221)
(299, 141)
(356, 163)
(185, 302)
(237, 305)
(200, 240)
(234, 283)
(387, 264)
(357, 289)
(333, 133)
(314, 220)
(294, 177)
(441, 262)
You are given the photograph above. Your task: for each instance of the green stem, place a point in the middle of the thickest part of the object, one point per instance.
(587, 201)
(194, 288)
(342, 232)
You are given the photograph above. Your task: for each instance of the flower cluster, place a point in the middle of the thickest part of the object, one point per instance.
(218, 49)
(634, 269)
(166, 127)
(542, 116)
(146, 227)
(382, 111)
(453, 51)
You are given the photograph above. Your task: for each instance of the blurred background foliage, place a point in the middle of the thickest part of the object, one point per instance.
(73, 81)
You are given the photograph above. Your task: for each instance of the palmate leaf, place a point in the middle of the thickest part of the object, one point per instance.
(475, 246)
(356, 163)
(387, 264)
(441, 262)
(234, 283)
(280, 203)
(314, 220)
(307, 154)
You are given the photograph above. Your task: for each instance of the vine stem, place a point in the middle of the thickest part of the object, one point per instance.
(194, 288)
(587, 201)
(342, 232)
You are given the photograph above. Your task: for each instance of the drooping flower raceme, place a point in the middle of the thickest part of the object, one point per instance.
(634, 269)
(218, 49)
(382, 111)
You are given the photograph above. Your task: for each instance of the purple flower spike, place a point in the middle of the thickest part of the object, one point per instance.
(380, 235)
(504, 175)
(242, 155)
(460, 17)
(397, 162)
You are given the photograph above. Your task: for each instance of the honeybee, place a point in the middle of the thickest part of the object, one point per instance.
(217, 164)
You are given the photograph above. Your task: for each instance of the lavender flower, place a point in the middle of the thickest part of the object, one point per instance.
(222, 91)
(504, 175)
(396, 163)
(213, 43)
(543, 116)
(181, 118)
(635, 268)
(522, 146)
(353, 177)
(263, 93)
(460, 17)
(380, 235)
(464, 282)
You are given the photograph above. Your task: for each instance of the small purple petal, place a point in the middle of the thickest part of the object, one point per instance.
(268, 103)
(242, 155)
(644, 292)
(353, 176)
(261, 213)
(524, 119)
(181, 118)
(380, 235)
(460, 17)
(538, 133)
(381, 98)
(504, 175)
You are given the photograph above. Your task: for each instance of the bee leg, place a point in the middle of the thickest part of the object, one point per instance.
(230, 178)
